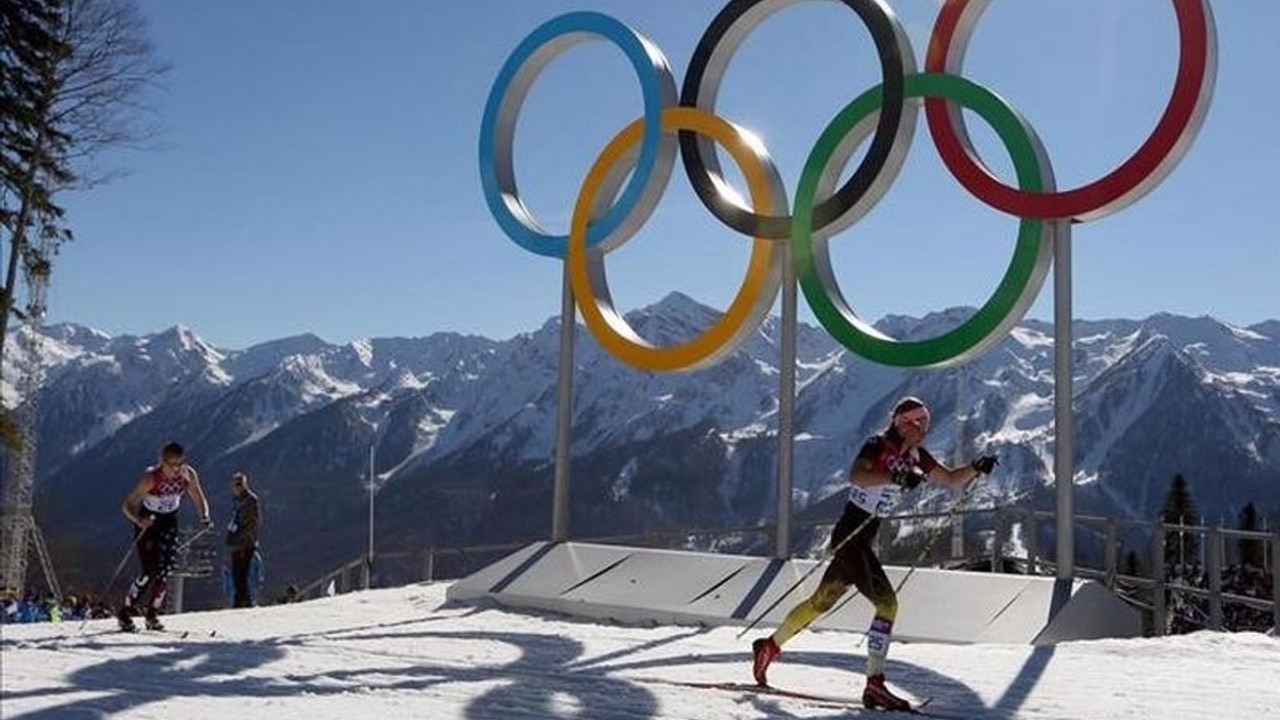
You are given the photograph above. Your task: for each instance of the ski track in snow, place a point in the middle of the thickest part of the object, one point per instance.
(406, 653)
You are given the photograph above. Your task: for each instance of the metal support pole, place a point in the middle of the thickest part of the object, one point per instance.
(1112, 540)
(786, 406)
(1064, 436)
(1157, 577)
(176, 593)
(368, 560)
(1214, 555)
(958, 459)
(564, 412)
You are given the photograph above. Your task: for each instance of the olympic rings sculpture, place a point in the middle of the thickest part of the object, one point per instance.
(607, 213)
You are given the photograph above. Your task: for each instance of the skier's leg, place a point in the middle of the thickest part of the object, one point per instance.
(163, 561)
(870, 579)
(874, 584)
(147, 557)
(834, 583)
(126, 611)
(843, 571)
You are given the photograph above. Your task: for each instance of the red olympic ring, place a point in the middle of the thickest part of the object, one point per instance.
(1134, 178)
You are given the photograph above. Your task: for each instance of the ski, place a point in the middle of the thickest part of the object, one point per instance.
(830, 701)
(139, 630)
(180, 634)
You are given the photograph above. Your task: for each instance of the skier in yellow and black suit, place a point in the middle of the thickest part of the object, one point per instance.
(887, 464)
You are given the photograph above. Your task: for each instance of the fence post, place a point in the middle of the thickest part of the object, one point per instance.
(1111, 553)
(1033, 542)
(1214, 561)
(1275, 578)
(429, 566)
(176, 592)
(1157, 578)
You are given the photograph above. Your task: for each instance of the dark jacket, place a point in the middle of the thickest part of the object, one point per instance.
(242, 532)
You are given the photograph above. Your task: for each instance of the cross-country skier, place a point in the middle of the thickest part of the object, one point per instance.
(152, 507)
(888, 463)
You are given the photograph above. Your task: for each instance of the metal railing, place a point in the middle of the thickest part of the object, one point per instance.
(996, 538)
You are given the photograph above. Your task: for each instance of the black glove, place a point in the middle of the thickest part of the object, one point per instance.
(984, 464)
(908, 477)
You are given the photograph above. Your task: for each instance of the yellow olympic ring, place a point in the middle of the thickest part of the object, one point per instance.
(586, 265)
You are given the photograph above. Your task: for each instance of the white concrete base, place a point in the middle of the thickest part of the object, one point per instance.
(642, 585)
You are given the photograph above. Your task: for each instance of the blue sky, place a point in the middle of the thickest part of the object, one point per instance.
(320, 168)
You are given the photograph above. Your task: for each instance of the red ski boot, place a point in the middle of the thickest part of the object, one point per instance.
(763, 651)
(876, 695)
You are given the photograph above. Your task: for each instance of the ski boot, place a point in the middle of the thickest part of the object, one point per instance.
(763, 651)
(876, 695)
(153, 622)
(124, 616)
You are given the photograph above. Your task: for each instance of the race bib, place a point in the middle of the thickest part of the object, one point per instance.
(878, 500)
(161, 503)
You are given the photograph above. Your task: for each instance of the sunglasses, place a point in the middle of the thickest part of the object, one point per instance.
(918, 417)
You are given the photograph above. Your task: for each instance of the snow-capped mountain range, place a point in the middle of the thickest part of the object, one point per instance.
(463, 427)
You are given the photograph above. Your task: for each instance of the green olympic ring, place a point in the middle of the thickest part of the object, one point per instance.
(1021, 281)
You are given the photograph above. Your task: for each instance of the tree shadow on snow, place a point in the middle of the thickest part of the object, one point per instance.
(547, 676)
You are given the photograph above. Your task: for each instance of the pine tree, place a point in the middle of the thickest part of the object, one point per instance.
(1250, 550)
(72, 77)
(1180, 548)
(33, 144)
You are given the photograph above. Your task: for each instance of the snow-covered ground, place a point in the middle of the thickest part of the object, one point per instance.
(406, 653)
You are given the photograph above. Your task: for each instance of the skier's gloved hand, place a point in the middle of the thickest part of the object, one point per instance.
(908, 477)
(984, 464)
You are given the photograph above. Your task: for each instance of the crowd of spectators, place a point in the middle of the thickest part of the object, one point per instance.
(35, 606)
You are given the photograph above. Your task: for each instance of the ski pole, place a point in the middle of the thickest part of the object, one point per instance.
(806, 576)
(933, 539)
(937, 533)
(119, 567)
(928, 547)
(178, 550)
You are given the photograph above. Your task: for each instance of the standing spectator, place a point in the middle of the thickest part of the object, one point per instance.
(242, 538)
(255, 580)
(29, 608)
(10, 606)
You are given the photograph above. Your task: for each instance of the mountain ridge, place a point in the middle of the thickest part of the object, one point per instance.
(463, 426)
